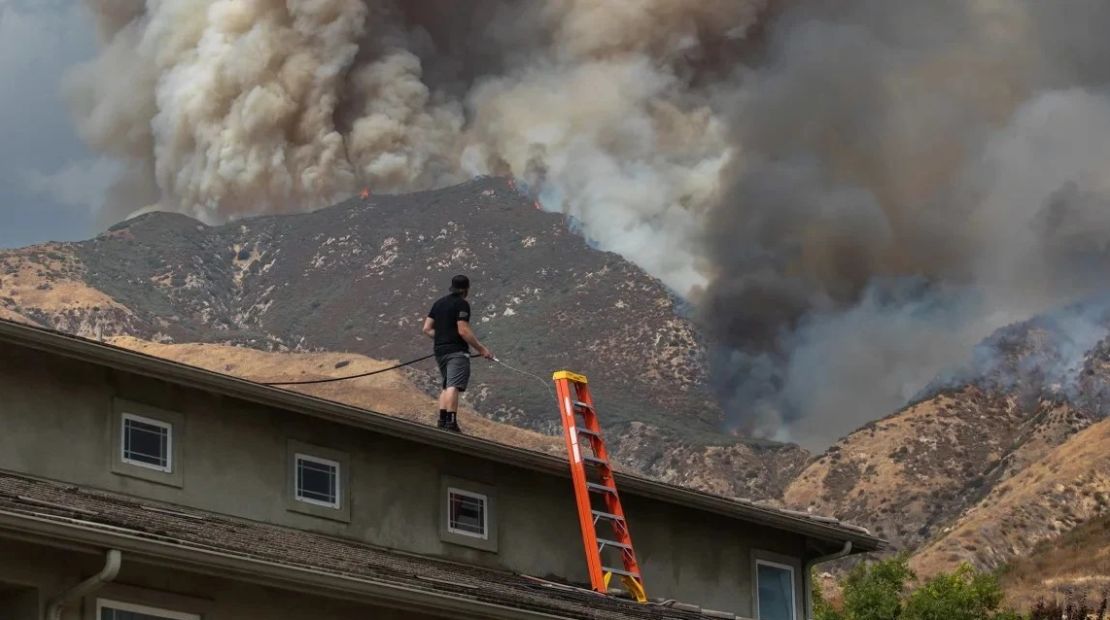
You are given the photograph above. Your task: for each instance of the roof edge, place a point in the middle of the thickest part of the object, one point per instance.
(62, 534)
(127, 360)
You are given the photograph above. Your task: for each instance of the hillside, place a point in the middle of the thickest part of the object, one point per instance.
(910, 474)
(389, 393)
(987, 464)
(359, 277)
(1073, 566)
(1065, 488)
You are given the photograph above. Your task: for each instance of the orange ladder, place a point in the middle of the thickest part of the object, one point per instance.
(593, 480)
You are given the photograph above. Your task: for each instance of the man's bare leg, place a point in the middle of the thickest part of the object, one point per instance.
(450, 399)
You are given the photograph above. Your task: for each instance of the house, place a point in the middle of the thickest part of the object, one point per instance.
(136, 488)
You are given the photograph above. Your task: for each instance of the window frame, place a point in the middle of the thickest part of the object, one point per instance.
(454, 536)
(168, 426)
(157, 612)
(121, 409)
(761, 560)
(338, 480)
(317, 508)
(485, 513)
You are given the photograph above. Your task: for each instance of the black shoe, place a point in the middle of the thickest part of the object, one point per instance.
(453, 426)
(442, 422)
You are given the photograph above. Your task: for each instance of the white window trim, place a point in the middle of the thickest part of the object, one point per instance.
(141, 609)
(793, 585)
(297, 458)
(151, 421)
(485, 513)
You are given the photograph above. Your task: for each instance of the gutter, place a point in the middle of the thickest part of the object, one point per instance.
(111, 568)
(844, 552)
(309, 580)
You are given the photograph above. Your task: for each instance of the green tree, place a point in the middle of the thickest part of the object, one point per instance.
(961, 595)
(875, 591)
(882, 591)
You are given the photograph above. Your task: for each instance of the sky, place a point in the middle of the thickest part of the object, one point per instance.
(39, 41)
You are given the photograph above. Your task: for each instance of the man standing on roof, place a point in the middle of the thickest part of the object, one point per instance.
(448, 324)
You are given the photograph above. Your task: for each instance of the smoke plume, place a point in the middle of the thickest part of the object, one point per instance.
(852, 194)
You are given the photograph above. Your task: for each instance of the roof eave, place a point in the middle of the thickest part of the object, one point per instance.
(142, 364)
(72, 535)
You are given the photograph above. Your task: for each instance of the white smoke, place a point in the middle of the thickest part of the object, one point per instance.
(852, 193)
(241, 108)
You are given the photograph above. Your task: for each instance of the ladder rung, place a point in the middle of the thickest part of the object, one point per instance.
(586, 431)
(607, 515)
(595, 460)
(602, 488)
(604, 542)
(620, 571)
(583, 405)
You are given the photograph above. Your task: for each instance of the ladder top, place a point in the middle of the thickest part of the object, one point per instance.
(566, 374)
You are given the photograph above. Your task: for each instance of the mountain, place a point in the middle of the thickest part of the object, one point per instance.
(989, 464)
(359, 278)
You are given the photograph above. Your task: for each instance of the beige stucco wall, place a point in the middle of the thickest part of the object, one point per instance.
(56, 414)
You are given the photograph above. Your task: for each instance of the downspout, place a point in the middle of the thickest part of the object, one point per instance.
(809, 573)
(92, 584)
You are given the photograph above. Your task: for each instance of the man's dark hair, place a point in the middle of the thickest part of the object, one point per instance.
(460, 284)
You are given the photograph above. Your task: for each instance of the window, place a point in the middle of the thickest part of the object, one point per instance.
(114, 610)
(466, 513)
(775, 595)
(146, 442)
(317, 481)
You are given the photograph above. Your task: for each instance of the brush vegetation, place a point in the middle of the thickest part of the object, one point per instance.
(889, 590)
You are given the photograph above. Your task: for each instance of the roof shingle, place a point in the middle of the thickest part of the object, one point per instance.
(337, 557)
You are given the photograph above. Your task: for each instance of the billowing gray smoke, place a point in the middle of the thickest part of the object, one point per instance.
(851, 193)
(910, 176)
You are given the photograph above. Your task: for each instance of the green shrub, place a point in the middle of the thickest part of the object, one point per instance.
(962, 595)
(883, 591)
(875, 591)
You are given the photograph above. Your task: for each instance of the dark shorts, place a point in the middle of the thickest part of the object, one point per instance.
(455, 370)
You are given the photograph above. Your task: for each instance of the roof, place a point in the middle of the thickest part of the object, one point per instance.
(181, 537)
(817, 527)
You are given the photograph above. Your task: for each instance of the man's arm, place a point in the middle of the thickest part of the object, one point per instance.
(472, 340)
(429, 327)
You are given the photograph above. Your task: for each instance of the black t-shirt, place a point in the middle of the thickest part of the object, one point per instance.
(447, 312)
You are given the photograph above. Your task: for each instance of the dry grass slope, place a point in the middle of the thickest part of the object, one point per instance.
(11, 315)
(45, 277)
(1077, 565)
(390, 393)
(908, 473)
(1067, 487)
(42, 285)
